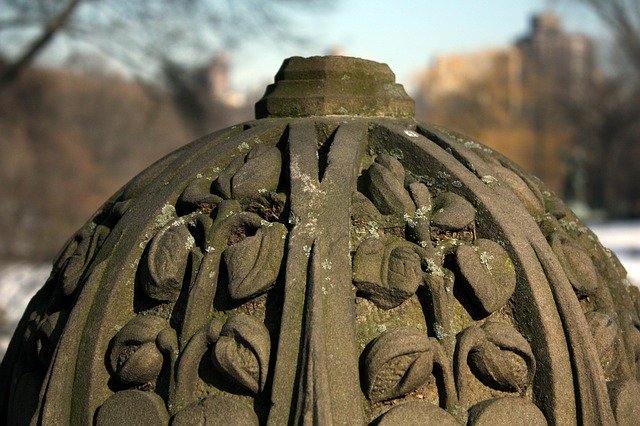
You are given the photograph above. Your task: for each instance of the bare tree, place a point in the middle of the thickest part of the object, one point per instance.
(609, 116)
(622, 17)
(142, 35)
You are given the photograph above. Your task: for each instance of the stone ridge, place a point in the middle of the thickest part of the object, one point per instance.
(334, 85)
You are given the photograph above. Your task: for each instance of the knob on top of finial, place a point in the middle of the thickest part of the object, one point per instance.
(334, 85)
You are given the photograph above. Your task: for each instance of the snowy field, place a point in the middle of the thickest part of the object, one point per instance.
(20, 281)
(624, 239)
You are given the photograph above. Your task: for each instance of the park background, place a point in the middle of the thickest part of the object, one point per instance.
(93, 91)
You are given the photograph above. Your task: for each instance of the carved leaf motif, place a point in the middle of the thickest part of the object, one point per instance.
(166, 263)
(452, 212)
(242, 352)
(625, 400)
(419, 227)
(134, 357)
(87, 243)
(577, 265)
(398, 362)
(387, 270)
(488, 270)
(253, 264)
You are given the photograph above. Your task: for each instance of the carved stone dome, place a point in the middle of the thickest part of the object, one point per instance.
(332, 262)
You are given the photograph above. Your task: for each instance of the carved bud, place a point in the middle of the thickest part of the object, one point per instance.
(530, 196)
(489, 272)
(577, 265)
(217, 410)
(166, 263)
(398, 362)
(387, 270)
(134, 357)
(452, 212)
(507, 410)
(258, 172)
(197, 194)
(48, 335)
(605, 333)
(253, 264)
(499, 356)
(416, 412)
(242, 352)
(386, 187)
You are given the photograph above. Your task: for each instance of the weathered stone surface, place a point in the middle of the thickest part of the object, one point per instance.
(133, 407)
(334, 85)
(417, 414)
(504, 411)
(489, 272)
(217, 410)
(387, 270)
(242, 352)
(452, 212)
(334, 263)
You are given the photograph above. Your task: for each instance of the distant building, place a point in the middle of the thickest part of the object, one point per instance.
(513, 97)
(564, 60)
(454, 73)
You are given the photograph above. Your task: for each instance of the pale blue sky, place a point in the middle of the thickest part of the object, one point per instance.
(404, 34)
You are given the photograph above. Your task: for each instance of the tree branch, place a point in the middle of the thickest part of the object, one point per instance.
(13, 70)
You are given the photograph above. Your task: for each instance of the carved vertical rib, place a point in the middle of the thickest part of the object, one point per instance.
(592, 389)
(314, 394)
(321, 214)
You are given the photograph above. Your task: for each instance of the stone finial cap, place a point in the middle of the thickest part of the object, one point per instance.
(334, 85)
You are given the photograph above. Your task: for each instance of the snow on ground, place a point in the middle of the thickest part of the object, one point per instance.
(623, 238)
(20, 281)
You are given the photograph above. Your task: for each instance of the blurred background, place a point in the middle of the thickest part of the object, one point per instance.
(93, 91)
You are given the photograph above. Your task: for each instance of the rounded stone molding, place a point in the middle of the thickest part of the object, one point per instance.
(320, 265)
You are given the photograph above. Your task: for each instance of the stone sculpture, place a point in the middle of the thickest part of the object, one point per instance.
(332, 262)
